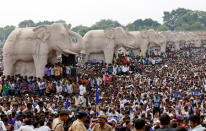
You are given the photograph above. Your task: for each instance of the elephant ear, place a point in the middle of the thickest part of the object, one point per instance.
(119, 32)
(109, 33)
(144, 34)
(42, 32)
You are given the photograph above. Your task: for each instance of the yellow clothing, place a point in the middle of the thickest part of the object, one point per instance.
(77, 125)
(106, 127)
(57, 125)
(0, 88)
(141, 53)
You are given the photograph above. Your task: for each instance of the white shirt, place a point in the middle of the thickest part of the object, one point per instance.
(82, 90)
(59, 88)
(2, 126)
(69, 89)
(43, 128)
(198, 128)
(26, 128)
(78, 101)
(18, 124)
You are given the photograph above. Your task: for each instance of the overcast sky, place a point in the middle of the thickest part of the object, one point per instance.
(87, 12)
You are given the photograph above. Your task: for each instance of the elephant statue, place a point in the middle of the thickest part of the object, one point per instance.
(36, 44)
(155, 38)
(172, 38)
(192, 39)
(140, 42)
(28, 68)
(105, 41)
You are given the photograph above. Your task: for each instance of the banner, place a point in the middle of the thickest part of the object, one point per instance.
(97, 98)
(67, 103)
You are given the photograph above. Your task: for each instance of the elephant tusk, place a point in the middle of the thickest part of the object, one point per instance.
(69, 52)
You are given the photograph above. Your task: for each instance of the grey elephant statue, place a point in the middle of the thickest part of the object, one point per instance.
(140, 42)
(35, 45)
(172, 38)
(28, 68)
(155, 38)
(105, 41)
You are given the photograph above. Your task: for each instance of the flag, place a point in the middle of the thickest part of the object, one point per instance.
(97, 98)
(191, 110)
(67, 103)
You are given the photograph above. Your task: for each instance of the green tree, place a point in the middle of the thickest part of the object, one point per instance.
(46, 22)
(170, 18)
(162, 28)
(103, 24)
(140, 24)
(26, 23)
(82, 30)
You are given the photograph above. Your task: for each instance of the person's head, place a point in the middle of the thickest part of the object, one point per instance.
(194, 120)
(139, 125)
(82, 116)
(29, 106)
(63, 115)
(36, 125)
(165, 120)
(102, 119)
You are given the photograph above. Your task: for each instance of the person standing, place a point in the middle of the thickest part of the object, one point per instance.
(139, 125)
(58, 123)
(195, 123)
(165, 123)
(78, 125)
(102, 125)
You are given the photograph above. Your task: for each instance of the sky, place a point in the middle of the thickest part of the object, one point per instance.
(88, 12)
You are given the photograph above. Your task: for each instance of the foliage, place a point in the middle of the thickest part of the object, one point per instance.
(26, 23)
(103, 24)
(142, 25)
(81, 29)
(183, 19)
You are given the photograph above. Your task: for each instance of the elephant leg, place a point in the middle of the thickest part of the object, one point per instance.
(8, 66)
(144, 51)
(86, 58)
(177, 46)
(40, 63)
(163, 48)
(108, 55)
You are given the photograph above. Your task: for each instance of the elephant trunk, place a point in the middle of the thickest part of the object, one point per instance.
(78, 46)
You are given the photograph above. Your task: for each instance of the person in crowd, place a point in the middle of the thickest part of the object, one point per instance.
(165, 123)
(139, 125)
(195, 123)
(102, 125)
(78, 125)
(58, 123)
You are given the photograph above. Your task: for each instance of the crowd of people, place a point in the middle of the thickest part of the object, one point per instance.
(134, 93)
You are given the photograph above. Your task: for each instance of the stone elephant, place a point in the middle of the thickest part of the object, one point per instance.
(155, 39)
(192, 39)
(105, 41)
(173, 38)
(140, 42)
(35, 45)
(28, 68)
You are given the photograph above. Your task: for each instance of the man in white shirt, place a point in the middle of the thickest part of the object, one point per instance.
(59, 88)
(82, 90)
(27, 127)
(78, 100)
(195, 123)
(69, 88)
(2, 126)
